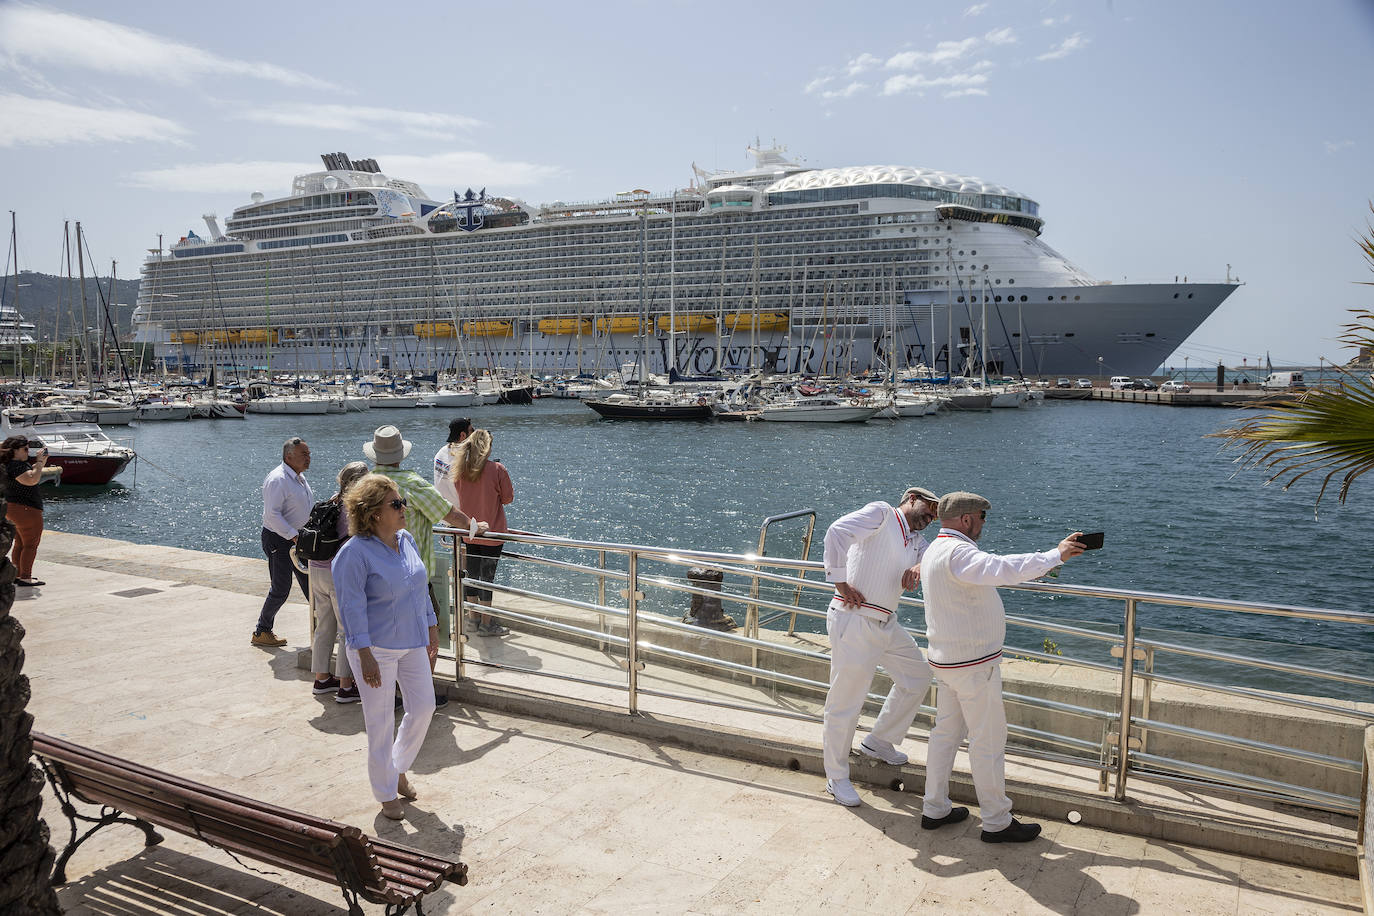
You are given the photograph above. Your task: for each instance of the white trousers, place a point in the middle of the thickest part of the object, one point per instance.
(858, 645)
(327, 629)
(389, 755)
(970, 704)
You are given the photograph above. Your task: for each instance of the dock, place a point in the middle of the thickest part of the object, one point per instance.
(562, 802)
(1200, 396)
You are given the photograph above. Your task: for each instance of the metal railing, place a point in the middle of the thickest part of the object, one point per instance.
(1111, 740)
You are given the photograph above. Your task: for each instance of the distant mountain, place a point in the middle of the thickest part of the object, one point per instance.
(53, 304)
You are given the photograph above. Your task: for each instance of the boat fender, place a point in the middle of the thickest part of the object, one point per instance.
(701, 402)
(855, 402)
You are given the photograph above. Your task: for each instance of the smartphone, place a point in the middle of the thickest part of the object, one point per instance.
(1092, 541)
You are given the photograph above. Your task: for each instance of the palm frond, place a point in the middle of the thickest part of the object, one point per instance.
(1329, 430)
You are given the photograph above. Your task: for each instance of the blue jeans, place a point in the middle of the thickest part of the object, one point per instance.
(279, 568)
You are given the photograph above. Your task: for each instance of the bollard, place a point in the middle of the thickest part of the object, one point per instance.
(706, 611)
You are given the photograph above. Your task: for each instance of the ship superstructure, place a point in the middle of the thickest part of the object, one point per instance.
(780, 267)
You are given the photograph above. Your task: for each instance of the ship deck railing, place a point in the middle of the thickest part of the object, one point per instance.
(1109, 687)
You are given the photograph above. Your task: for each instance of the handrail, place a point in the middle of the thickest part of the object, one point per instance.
(1124, 728)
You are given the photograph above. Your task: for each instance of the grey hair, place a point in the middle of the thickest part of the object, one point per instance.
(290, 445)
(350, 474)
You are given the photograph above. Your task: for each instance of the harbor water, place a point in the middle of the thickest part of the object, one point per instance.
(1179, 515)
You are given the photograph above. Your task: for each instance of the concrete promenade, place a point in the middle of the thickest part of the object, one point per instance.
(143, 652)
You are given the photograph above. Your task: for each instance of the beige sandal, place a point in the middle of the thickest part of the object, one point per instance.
(404, 787)
(393, 809)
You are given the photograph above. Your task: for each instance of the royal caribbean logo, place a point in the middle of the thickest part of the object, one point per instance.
(470, 209)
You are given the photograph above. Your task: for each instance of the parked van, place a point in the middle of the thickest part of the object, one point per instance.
(1283, 381)
(1122, 383)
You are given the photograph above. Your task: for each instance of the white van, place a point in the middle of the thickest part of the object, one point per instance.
(1283, 381)
(1122, 382)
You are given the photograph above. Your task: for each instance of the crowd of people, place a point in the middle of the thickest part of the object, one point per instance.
(381, 601)
(379, 593)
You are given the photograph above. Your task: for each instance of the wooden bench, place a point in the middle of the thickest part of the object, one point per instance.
(374, 869)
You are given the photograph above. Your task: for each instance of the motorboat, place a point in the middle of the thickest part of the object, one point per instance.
(294, 404)
(822, 409)
(382, 401)
(164, 409)
(212, 408)
(75, 442)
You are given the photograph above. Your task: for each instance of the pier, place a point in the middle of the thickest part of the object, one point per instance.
(561, 801)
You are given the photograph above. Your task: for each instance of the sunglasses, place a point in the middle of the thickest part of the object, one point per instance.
(397, 503)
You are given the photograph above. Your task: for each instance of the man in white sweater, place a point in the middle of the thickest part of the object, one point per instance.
(872, 555)
(966, 625)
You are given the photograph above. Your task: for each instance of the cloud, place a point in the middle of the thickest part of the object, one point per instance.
(436, 125)
(976, 10)
(441, 172)
(1051, 21)
(1074, 42)
(1336, 146)
(861, 64)
(32, 36)
(945, 52)
(962, 92)
(846, 92)
(818, 84)
(46, 122)
(1001, 37)
(960, 83)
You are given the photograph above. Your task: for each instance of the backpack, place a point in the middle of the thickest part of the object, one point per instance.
(319, 537)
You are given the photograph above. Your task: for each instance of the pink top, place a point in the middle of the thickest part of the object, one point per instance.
(485, 498)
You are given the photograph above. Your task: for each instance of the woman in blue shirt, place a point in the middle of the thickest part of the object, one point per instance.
(390, 631)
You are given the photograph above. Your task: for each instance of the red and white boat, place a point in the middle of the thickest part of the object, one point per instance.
(75, 442)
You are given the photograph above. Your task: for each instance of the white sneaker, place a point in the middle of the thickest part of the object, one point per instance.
(844, 793)
(881, 750)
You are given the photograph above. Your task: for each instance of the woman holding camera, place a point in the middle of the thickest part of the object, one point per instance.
(25, 504)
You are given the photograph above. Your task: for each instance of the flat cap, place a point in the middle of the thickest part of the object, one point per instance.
(953, 505)
(922, 492)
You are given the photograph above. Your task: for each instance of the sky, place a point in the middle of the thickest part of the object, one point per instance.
(1162, 139)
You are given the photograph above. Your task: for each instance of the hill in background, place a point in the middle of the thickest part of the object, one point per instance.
(53, 304)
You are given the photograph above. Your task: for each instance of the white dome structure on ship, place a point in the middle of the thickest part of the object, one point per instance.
(852, 176)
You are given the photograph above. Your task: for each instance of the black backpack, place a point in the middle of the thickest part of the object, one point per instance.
(319, 537)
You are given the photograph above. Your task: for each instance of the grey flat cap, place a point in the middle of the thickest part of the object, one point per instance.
(953, 505)
(921, 492)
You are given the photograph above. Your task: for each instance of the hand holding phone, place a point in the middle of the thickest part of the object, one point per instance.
(1092, 541)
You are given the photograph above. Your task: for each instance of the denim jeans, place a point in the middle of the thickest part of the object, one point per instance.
(279, 568)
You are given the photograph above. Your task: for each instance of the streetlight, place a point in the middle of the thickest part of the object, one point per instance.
(1099, 369)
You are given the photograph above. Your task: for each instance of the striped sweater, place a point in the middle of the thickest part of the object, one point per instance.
(965, 621)
(869, 549)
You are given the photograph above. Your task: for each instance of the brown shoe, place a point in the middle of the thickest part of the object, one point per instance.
(268, 639)
(393, 809)
(404, 788)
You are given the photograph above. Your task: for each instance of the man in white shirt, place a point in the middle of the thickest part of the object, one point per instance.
(459, 429)
(966, 626)
(872, 555)
(286, 503)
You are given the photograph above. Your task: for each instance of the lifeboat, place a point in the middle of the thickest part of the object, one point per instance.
(426, 329)
(764, 321)
(565, 325)
(697, 324)
(489, 328)
(223, 337)
(186, 337)
(257, 335)
(620, 324)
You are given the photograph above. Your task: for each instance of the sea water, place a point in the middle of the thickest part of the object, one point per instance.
(1180, 516)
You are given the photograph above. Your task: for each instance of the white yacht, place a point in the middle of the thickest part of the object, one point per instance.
(780, 267)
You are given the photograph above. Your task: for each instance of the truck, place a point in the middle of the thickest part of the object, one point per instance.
(1283, 381)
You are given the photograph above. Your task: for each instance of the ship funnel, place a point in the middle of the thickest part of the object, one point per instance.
(212, 223)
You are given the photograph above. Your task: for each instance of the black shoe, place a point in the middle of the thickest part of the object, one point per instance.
(440, 700)
(1016, 832)
(955, 815)
(29, 583)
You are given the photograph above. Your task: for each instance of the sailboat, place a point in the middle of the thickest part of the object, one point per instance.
(647, 403)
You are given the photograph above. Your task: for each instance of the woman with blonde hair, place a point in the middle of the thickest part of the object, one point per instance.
(484, 490)
(391, 632)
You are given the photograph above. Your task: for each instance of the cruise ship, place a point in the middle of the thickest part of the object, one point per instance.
(776, 268)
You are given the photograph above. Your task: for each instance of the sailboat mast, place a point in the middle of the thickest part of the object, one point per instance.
(18, 337)
(672, 280)
(643, 297)
(85, 335)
